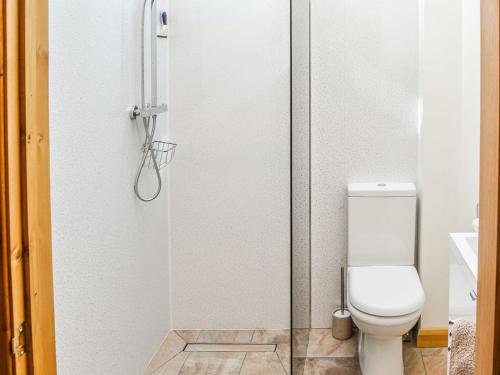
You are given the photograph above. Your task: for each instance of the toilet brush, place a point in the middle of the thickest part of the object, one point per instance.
(342, 288)
(341, 318)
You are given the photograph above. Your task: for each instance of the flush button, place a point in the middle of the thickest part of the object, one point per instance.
(382, 185)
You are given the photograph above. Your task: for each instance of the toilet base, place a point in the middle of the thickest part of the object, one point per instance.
(380, 355)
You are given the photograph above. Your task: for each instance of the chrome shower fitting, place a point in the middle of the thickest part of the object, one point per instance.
(157, 154)
(146, 112)
(164, 26)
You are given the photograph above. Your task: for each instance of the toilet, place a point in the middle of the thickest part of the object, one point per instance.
(385, 296)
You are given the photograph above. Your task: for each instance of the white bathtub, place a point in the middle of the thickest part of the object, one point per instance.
(463, 275)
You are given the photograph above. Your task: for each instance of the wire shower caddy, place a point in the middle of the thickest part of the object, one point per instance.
(162, 152)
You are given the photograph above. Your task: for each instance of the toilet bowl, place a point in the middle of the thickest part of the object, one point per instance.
(385, 295)
(385, 303)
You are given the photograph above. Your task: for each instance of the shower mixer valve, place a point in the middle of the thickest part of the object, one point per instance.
(147, 111)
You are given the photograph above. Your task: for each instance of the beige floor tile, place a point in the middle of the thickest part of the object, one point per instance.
(300, 342)
(328, 356)
(284, 351)
(262, 364)
(434, 351)
(279, 336)
(322, 344)
(413, 362)
(332, 366)
(189, 335)
(298, 366)
(213, 364)
(172, 367)
(171, 346)
(225, 337)
(435, 361)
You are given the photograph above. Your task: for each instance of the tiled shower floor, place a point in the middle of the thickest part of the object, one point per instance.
(315, 350)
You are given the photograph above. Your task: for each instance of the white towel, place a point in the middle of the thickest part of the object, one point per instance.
(463, 338)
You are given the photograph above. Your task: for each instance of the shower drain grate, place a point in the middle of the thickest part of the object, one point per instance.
(230, 348)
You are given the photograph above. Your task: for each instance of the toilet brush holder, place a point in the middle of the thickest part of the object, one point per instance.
(341, 318)
(341, 324)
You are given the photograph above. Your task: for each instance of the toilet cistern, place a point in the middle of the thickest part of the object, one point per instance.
(385, 296)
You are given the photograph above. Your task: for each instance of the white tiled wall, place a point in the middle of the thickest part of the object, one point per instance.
(109, 249)
(230, 180)
(364, 114)
(441, 159)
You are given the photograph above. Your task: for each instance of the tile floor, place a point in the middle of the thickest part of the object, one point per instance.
(315, 353)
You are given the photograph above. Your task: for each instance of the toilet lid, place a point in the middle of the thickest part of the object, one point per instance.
(385, 290)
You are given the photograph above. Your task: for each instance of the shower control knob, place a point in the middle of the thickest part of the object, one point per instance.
(134, 112)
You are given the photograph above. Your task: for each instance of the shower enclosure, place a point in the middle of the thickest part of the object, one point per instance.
(229, 185)
(194, 253)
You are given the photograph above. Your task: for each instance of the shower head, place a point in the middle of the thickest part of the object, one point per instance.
(164, 27)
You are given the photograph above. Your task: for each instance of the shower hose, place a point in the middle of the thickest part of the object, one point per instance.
(148, 149)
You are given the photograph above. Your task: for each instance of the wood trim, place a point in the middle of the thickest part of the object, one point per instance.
(13, 249)
(6, 363)
(37, 185)
(26, 290)
(432, 337)
(488, 308)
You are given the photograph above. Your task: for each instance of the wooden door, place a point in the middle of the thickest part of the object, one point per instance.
(27, 343)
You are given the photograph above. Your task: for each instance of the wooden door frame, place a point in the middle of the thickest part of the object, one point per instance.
(34, 161)
(25, 190)
(12, 273)
(13, 246)
(38, 235)
(488, 308)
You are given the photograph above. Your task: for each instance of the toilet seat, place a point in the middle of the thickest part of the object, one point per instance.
(394, 326)
(385, 291)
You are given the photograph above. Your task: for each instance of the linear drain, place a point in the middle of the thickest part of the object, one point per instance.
(230, 348)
